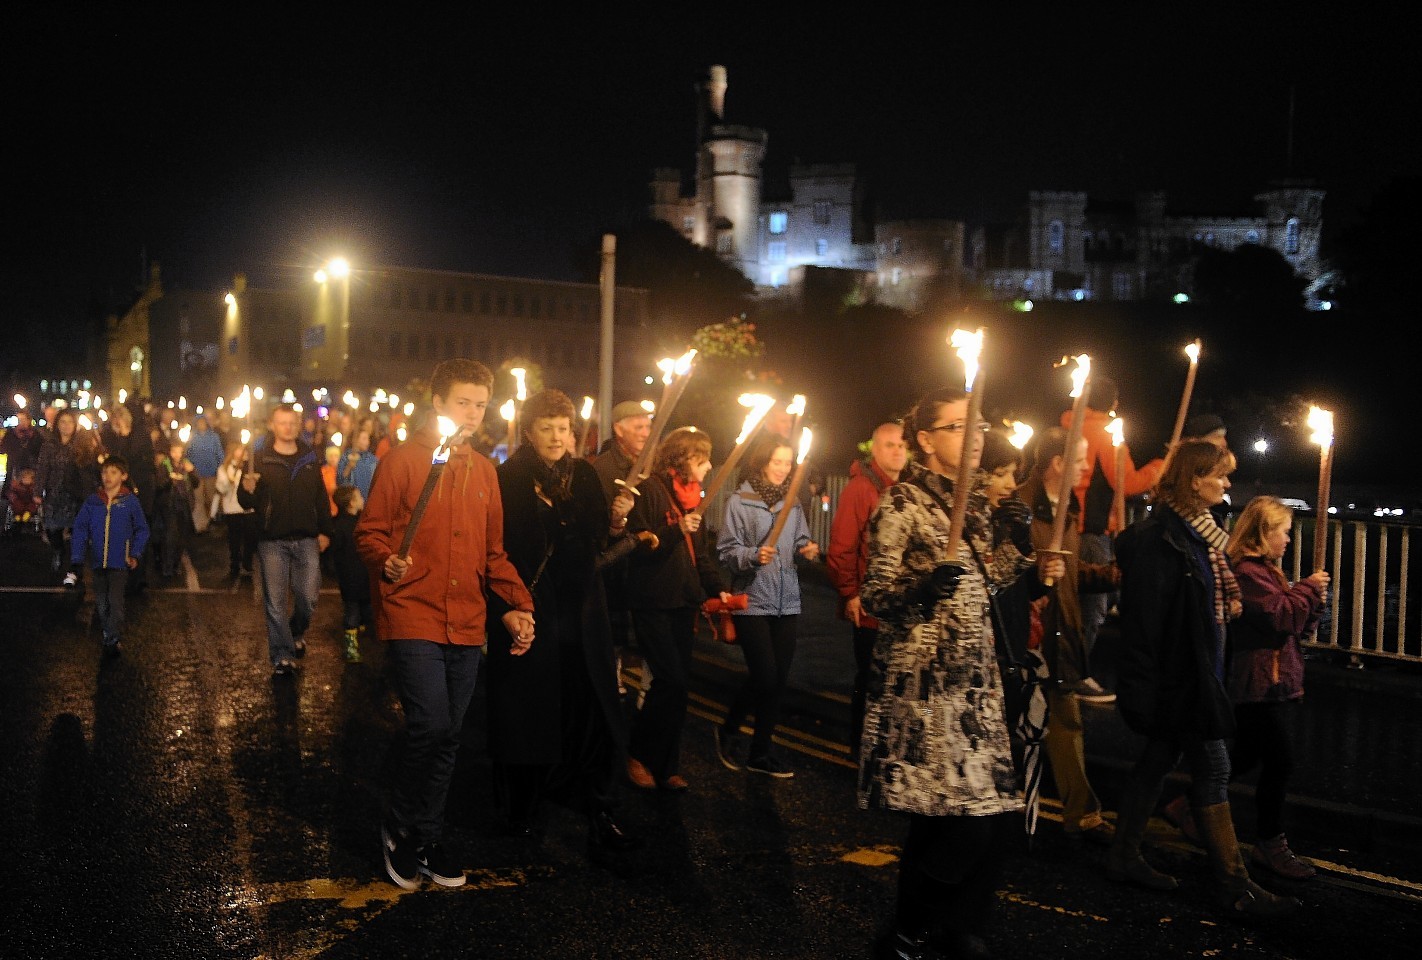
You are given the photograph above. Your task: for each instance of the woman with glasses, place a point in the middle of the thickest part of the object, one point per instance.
(935, 744)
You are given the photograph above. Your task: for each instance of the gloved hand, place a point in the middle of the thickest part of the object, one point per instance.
(941, 584)
(1012, 523)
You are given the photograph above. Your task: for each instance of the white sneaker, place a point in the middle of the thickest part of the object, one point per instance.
(71, 579)
(1089, 691)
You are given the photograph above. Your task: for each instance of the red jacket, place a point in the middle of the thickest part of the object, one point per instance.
(1095, 495)
(848, 547)
(458, 551)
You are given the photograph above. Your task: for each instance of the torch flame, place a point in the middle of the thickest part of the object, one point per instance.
(683, 362)
(448, 430)
(1193, 351)
(1117, 429)
(1320, 421)
(760, 405)
(587, 408)
(408, 409)
(401, 433)
(666, 365)
(968, 346)
(805, 439)
(520, 387)
(246, 437)
(1021, 433)
(85, 423)
(1079, 375)
(507, 410)
(650, 406)
(336, 439)
(797, 405)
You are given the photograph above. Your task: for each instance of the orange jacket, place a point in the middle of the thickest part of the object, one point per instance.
(457, 553)
(1101, 455)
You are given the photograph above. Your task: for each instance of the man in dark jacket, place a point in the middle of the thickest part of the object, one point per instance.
(631, 426)
(849, 550)
(294, 526)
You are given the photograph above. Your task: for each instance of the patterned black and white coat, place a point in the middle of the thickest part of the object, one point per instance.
(935, 737)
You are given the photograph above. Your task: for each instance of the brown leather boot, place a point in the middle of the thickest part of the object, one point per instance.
(1124, 862)
(1239, 895)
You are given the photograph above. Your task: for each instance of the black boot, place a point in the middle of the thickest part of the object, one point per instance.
(604, 833)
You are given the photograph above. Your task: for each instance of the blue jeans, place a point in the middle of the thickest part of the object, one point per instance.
(293, 564)
(1095, 548)
(1207, 760)
(435, 682)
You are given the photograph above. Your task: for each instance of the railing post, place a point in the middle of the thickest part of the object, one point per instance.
(1360, 584)
(1378, 643)
(1402, 593)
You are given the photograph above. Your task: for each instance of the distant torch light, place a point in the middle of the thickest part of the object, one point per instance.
(409, 409)
(587, 410)
(319, 276)
(1261, 446)
(649, 406)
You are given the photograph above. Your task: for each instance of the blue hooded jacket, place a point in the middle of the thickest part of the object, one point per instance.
(205, 451)
(773, 589)
(116, 528)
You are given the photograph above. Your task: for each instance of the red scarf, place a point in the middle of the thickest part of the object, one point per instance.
(688, 493)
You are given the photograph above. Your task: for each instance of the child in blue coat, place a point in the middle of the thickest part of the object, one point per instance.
(113, 523)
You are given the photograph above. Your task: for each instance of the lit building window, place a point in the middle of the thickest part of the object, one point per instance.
(1291, 236)
(1055, 236)
(775, 251)
(778, 221)
(1252, 236)
(723, 244)
(898, 246)
(896, 276)
(821, 247)
(822, 211)
(1121, 286)
(688, 224)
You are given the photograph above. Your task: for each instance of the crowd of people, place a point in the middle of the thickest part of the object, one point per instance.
(550, 567)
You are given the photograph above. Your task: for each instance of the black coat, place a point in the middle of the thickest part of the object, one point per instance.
(351, 574)
(526, 699)
(1167, 687)
(290, 500)
(668, 577)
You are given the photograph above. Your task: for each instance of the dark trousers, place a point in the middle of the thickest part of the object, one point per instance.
(435, 682)
(768, 644)
(591, 763)
(864, 638)
(1264, 738)
(108, 602)
(241, 539)
(1208, 762)
(356, 611)
(949, 872)
(665, 638)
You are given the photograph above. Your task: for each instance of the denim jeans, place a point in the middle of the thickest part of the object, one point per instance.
(1207, 760)
(435, 682)
(1095, 548)
(294, 565)
(108, 602)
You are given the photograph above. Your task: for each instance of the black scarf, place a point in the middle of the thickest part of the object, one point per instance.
(556, 481)
(771, 493)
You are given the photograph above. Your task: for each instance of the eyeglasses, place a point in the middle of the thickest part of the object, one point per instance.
(959, 427)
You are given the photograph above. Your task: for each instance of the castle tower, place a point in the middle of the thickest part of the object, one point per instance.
(729, 180)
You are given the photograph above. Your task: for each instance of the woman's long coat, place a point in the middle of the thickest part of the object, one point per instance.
(525, 693)
(935, 737)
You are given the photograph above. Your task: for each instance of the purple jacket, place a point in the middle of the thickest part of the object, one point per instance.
(1266, 663)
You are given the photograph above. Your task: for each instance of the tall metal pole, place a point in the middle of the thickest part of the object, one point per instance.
(607, 281)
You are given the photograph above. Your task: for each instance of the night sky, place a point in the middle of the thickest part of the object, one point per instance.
(262, 140)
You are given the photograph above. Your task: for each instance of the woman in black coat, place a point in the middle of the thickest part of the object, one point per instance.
(1177, 595)
(554, 715)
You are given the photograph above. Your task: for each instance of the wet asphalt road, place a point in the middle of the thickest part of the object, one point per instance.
(179, 802)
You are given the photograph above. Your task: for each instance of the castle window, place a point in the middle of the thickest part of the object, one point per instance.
(896, 276)
(412, 299)
(723, 243)
(775, 251)
(395, 345)
(898, 246)
(430, 300)
(1056, 235)
(778, 221)
(466, 303)
(413, 350)
(688, 224)
(821, 247)
(822, 211)
(485, 304)
(1291, 236)
(1121, 286)
(394, 295)
(448, 300)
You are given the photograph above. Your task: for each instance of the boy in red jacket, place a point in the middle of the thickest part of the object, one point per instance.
(430, 608)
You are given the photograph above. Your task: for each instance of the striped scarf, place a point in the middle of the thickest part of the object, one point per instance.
(1226, 586)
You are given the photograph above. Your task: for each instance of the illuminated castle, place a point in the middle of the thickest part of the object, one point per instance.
(1065, 245)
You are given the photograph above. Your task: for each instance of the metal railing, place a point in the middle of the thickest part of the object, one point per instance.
(1368, 609)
